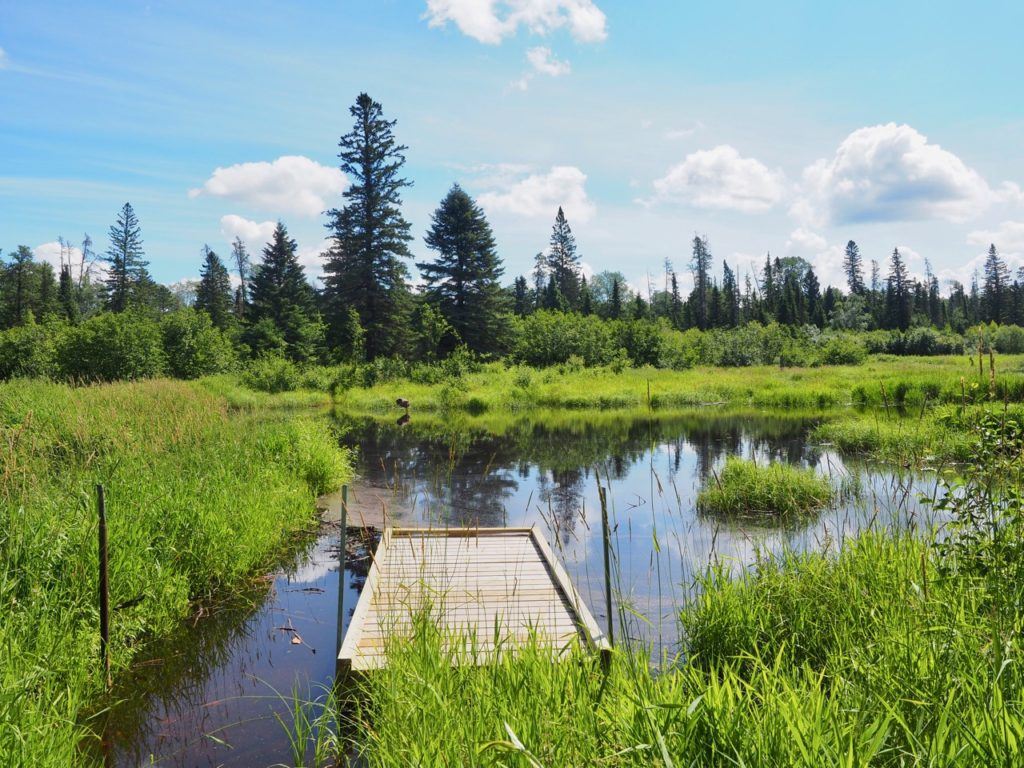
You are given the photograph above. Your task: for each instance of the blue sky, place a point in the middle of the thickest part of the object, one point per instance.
(785, 127)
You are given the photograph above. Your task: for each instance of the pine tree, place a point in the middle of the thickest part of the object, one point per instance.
(586, 300)
(853, 267)
(213, 294)
(563, 262)
(615, 301)
(521, 293)
(463, 281)
(897, 294)
(126, 267)
(995, 290)
(243, 266)
(730, 297)
(364, 267)
(812, 298)
(769, 289)
(281, 296)
(639, 307)
(700, 265)
(66, 297)
(553, 298)
(676, 303)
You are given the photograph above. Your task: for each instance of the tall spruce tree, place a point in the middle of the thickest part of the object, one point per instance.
(615, 300)
(563, 262)
(700, 265)
(854, 268)
(281, 296)
(364, 268)
(462, 282)
(127, 278)
(898, 297)
(214, 294)
(730, 315)
(521, 303)
(66, 295)
(995, 291)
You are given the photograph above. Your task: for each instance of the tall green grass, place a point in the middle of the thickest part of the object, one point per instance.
(744, 488)
(199, 500)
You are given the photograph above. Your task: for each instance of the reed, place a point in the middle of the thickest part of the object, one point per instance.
(744, 488)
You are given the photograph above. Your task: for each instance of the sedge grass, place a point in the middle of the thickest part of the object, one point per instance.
(199, 500)
(744, 488)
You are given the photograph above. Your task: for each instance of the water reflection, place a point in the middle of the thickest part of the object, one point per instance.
(208, 696)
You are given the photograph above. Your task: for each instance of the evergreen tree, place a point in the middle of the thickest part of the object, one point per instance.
(586, 300)
(897, 294)
(676, 304)
(852, 266)
(812, 298)
(364, 267)
(994, 294)
(126, 267)
(730, 297)
(463, 281)
(282, 297)
(20, 281)
(563, 262)
(769, 288)
(521, 297)
(540, 279)
(615, 301)
(66, 297)
(213, 294)
(553, 298)
(243, 266)
(701, 267)
(639, 307)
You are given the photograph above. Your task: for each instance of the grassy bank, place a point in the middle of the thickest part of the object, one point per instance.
(199, 500)
(868, 658)
(881, 381)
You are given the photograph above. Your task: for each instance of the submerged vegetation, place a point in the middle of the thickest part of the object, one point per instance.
(199, 501)
(744, 488)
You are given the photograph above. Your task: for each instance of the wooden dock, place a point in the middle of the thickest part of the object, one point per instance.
(489, 589)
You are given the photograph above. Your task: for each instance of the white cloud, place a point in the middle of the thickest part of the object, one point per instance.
(720, 178)
(310, 257)
(289, 184)
(490, 21)
(891, 173)
(539, 195)
(542, 60)
(1008, 237)
(254, 234)
(826, 259)
(51, 253)
(4, 60)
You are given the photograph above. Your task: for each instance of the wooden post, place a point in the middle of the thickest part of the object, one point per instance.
(342, 544)
(104, 586)
(606, 546)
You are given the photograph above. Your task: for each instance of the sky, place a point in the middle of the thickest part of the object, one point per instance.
(787, 127)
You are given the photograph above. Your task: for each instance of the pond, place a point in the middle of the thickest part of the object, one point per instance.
(211, 695)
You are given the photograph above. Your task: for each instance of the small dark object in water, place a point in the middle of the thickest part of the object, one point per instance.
(402, 403)
(404, 419)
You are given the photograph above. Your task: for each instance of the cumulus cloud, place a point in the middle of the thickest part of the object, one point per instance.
(539, 195)
(826, 259)
(543, 62)
(891, 173)
(52, 252)
(721, 178)
(1008, 237)
(290, 184)
(255, 234)
(491, 21)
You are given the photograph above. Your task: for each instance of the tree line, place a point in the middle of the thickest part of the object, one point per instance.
(367, 309)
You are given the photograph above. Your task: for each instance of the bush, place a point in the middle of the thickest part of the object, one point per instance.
(842, 350)
(29, 351)
(271, 373)
(110, 347)
(550, 338)
(745, 488)
(193, 347)
(1008, 339)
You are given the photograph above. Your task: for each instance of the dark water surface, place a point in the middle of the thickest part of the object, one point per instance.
(212, 694)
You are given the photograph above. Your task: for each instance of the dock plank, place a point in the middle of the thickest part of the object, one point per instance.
(489, 590)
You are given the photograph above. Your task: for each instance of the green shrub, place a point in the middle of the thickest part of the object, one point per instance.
(745, 488)
(842, 350)
(111, 347)
(551, 338)
(271, 373)
(29, 351)
(1008, 339)
(193, 347)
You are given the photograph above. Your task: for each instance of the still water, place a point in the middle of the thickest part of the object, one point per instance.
(212, 694)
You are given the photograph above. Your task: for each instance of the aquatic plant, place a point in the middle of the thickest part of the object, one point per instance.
(746, 488)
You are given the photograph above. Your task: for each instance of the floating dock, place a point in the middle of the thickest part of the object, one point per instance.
(489, 589)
